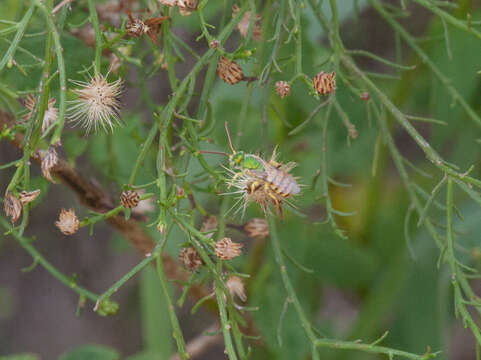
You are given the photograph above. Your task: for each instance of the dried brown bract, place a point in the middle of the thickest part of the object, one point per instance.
(226, 249)
(49, 117)
(283, 89)
(236, 287)
(26, 197)
(12, 207)
(68, 222)
(324, 83)
(49, 160)
(257, 228)
(243, 25)
(138, 27)
(190, 258)
(229, 71)
(129, 198)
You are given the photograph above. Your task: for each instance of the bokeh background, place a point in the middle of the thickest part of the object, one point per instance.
(360, 286)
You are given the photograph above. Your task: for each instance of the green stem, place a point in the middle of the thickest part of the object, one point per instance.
(22, 25)
(94, 19)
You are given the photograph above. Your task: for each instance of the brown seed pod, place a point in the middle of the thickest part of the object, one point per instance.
(324, 83)
(49, 160)
(229, 71)
(129, 198)
(190, 258)
(12, 207)
(28, 196)
(283, 89)
(68, 222)
(257, 228)
(226, 249)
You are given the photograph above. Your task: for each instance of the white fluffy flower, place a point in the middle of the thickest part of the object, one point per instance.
(98, 103)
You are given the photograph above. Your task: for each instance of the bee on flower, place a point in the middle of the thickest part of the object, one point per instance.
(98, 104)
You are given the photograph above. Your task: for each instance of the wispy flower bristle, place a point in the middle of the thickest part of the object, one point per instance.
(98, 103)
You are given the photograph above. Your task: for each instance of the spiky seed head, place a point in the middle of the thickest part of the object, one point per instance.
(49, 117)
(98, 103)
(129, 198)
(209, 223)
(324, 83)
(243, 24)
(236, 287)
(12, 207)
(229, 71)
(283, 89)
(190, 258)
(49, 160)
(226, 249)
(68, 222)
(257, 228)
(26, 197)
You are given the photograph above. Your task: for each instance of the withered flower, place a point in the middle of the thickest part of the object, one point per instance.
(229, 71)
(49, 160)
(129, 198)
(190, 258)
(68, 222)
(138, 27)
(283, 88)
(12, 207)
(26, 197)
(324, 83)
(257, 228)
(49, 117)
(98, 103)
(226, 249)
(236, 287)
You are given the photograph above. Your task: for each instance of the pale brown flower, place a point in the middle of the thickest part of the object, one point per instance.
(283, 88)
(324, 83)
(257, 228)
(68, 222)
(226, 249)
(98, 103)
(12, 207)
(49, 117)
(229, 71)
(190, 258)
(28, 196)
(129, 198)
(243, 25)
(236, 287)
(49, 160)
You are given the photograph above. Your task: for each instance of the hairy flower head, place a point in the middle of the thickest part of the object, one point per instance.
(98, 103)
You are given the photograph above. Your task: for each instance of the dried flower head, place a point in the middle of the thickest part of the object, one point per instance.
(226, 249)
(186, 7)
(138, 27)
(26, 197)
(98, 103)
(283, 89)
(190, 258)
(68, 222)
(12, 207)
(257, 228)
(209, 223)
(236, 287)
(49, 117)
(229, 71)
(324, 83)
(49, 160)
(243, 25)
(129, 198)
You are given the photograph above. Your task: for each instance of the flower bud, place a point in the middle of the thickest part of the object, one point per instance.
(229, 71)
(68, 222)
(283, 88)
(324, 83)
(226, 249)
(129, 198)
(190, 258)
(12, 207)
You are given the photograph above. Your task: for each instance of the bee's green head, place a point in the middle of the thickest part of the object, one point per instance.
(235, 160)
